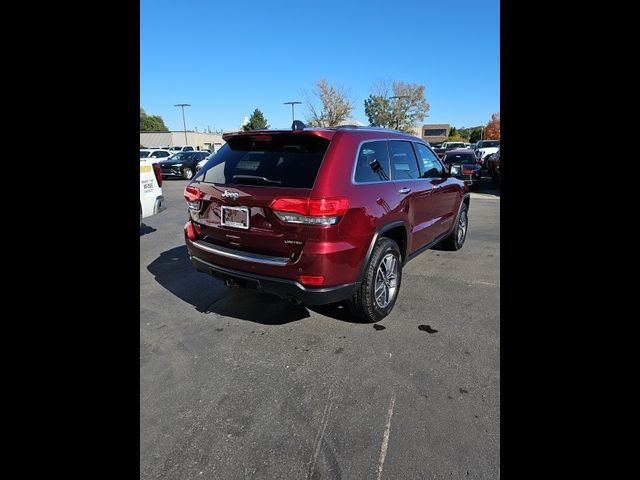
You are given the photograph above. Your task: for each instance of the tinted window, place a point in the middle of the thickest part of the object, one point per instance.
(187, 149)
(281, 161)
(373, 162)
(434, 132)
(182, 156)
(451, 146)
(488, 143)
(144, 154)
(162, 154)
(403, 161)
(466, 158)
(431, 167)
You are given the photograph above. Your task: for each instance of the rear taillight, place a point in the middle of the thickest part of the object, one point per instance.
(194, 232)
(193, 196)
(158, 172)
(310, 211)
(467, 171)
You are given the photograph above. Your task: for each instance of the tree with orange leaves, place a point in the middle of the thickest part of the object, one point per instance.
(492, 130)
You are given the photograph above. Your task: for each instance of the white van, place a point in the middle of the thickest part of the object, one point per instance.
(151, 199)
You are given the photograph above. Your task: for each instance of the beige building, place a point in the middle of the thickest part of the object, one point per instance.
(199, 140)
(434, 133)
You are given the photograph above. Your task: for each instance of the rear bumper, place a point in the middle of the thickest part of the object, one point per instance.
(283, 288)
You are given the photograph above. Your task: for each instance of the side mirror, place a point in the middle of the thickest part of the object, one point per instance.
(455, 170)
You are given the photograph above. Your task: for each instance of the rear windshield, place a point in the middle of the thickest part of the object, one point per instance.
(465, 158)
(282, 160)
(488, 143)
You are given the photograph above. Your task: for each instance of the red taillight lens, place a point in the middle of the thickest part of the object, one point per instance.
(295, 205)
(313, 207)
(158, 172)
(192, 194)
(194, 232)
(328, 207)
(311, 279)
(310, 211)
(467, 171)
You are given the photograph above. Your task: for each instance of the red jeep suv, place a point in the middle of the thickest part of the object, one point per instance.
(321, 215)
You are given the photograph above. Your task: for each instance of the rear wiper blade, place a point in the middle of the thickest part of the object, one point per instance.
(255, 177)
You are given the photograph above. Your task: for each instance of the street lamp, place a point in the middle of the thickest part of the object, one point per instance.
(184, 124)
(397, 97)
(292, 108)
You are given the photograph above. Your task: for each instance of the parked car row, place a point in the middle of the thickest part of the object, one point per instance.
(493, 166)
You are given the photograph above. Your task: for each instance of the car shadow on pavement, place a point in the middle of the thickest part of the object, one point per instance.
(144, 229)
(487, 186)
(173, 270)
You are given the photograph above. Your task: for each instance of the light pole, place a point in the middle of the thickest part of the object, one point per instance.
(397, 97)
(293, 117)
(184, 124)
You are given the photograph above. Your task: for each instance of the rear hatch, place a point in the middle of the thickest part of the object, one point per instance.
(238, 186)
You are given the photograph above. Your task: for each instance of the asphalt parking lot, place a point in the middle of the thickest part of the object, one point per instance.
(235, 384)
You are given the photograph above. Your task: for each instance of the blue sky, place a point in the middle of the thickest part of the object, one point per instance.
(228, 58)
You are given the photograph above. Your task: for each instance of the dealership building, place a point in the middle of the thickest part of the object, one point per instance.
(199, 140)
(434, 133)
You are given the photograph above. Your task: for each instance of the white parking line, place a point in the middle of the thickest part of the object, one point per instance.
(385, 437)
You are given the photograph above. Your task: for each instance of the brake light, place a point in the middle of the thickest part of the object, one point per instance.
(311, 279)
(193, 196)
(158, 173)
(467, 171)
(194, 232)
(311, 211)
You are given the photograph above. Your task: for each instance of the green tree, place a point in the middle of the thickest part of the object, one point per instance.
(401, 111)
(334, 108)
(474, 136)
(378, 111)
(151, 123)
(453, 132)
(256, 122)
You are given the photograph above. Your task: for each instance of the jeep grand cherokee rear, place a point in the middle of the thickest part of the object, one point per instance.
(321, 215)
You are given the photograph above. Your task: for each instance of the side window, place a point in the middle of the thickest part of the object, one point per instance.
(373, 162)
(429, 164)
(403, 161)
(163, 154)
(188, 149)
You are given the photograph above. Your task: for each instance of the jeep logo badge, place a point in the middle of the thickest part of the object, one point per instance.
(231, 195)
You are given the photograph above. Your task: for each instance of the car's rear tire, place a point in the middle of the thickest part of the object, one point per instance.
(459, 233)
(376, 295)
(187, 173)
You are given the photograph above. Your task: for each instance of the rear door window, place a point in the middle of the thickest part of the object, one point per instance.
(372, 164)
(403, 161)
(284, 160)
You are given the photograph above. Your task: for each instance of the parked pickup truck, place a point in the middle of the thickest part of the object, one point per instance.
(151, 199)
(484, 148)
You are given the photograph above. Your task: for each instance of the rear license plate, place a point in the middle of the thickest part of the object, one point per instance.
(237, 217)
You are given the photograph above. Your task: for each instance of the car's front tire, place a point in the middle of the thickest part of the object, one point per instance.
(375, 297)
(187, 173)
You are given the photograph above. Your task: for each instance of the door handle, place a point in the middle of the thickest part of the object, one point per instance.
(404, 190)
